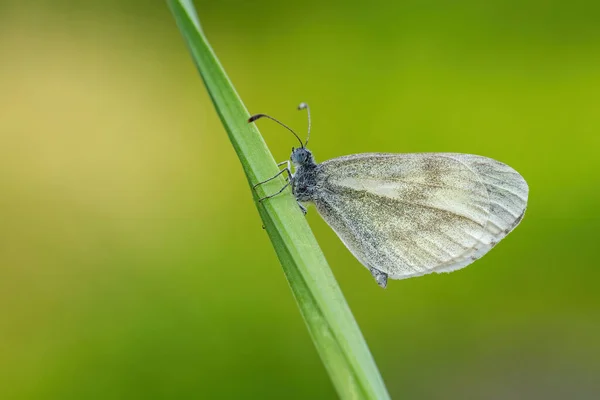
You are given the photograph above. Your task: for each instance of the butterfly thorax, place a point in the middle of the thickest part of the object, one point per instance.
(304, 182)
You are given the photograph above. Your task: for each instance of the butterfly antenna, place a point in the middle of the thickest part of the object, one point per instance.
(303, 106)
(258, 116)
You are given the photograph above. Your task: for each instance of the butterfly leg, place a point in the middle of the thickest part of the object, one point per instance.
(275, 194)
(302, 208)
(380, 277)
(286, 169)
(288, 178)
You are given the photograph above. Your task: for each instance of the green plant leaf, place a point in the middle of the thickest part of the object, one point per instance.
(332, 327)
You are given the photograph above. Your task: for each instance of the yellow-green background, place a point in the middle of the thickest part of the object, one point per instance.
(132, 260)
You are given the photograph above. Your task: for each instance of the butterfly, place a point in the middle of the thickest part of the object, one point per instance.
(406, 215)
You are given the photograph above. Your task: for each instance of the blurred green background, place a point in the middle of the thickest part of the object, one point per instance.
(132, 259)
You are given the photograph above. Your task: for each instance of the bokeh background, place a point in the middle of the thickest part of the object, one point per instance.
(132, 259)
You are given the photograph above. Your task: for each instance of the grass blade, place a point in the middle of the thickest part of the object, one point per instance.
(332, 327)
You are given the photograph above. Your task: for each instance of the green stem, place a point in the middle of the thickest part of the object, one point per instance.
(332, 327)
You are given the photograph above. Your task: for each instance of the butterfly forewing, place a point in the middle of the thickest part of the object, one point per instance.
(412, 214)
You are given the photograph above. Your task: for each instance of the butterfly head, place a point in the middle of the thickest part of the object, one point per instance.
(301, 157)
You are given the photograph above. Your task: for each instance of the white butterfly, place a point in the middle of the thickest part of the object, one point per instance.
(405, 215)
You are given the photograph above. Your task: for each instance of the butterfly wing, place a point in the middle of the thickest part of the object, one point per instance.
(412, 214)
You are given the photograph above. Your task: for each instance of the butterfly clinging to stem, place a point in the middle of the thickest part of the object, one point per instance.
(406, 215)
